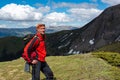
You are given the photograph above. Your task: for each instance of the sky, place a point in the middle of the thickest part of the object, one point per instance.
(27, 13)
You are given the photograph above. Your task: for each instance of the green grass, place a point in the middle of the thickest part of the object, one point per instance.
(111, 57)
(73, 67)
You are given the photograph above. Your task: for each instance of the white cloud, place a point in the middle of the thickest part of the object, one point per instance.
(19, 12)
(76, 15)
(111, 2)
(56, 17)
(3, 26)
(85, 15)
(44, 9)
(52, 24)
(74, 5)
(24, 24)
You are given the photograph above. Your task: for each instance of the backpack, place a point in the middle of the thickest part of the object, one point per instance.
(26, 40)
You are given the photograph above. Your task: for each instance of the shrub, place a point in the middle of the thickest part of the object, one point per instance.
(111, 57)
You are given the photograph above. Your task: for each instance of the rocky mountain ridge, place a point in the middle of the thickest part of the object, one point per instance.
(20, 32)
(103, 30)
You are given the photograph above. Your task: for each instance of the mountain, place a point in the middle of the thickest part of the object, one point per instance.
(101, 31)
(16, 31)
(20, 32)
(11, 48)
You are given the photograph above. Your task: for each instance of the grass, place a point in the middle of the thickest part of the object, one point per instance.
(73, 67)
(111, 57)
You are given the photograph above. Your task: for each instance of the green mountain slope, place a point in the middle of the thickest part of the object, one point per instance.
(10, 48)
(113, 47)
(74, 67)
(110, 53)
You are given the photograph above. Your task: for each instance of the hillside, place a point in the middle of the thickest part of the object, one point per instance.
(113, 47)
(10, 48)
(74, 67)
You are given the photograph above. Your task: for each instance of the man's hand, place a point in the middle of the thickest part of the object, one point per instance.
(34, 61)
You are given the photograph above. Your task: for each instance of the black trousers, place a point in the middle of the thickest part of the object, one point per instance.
(44, 67)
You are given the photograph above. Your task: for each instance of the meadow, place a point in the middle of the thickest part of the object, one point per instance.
(72, 67)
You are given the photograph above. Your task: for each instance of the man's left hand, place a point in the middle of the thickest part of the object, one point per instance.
(35, 61)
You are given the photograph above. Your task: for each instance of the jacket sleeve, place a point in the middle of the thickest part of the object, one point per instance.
(32, 48)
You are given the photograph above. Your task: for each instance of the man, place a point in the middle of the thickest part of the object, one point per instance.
(36, 51)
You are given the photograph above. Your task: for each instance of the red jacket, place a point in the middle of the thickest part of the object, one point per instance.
(35, 49)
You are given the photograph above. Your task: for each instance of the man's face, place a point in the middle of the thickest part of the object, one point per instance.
(41, 30)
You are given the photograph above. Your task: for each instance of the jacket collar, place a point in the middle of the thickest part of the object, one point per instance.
(40, 35)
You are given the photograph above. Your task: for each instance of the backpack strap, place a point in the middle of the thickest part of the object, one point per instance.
(37, 45)
(37, 38)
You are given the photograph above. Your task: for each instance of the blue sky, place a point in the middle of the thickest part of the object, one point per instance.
(27, 13)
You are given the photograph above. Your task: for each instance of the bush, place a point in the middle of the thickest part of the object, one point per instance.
(111, 57)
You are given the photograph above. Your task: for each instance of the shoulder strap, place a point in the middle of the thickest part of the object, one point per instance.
(37, 45)
(37, 38)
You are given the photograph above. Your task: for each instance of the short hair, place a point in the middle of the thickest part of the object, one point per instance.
(39, 25)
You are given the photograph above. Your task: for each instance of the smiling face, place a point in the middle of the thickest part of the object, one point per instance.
(40, 28)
